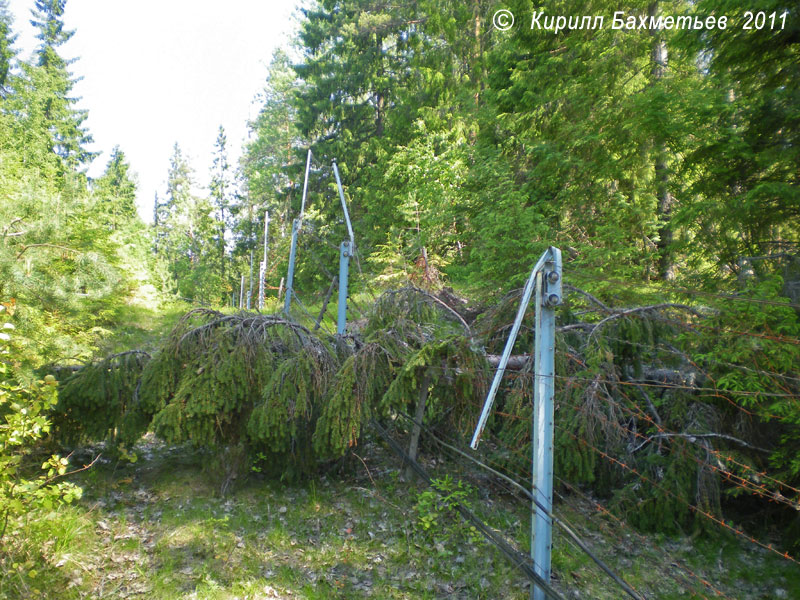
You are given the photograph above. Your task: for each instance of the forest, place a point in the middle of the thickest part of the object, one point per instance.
(664, 163)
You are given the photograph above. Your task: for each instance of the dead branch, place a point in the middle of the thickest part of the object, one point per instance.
(639, 309)
(694, 437)
(587, 295)
(10, 225)
(44, 245)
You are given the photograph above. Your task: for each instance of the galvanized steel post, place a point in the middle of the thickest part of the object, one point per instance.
(290, 275)
(262, 269)
(296, 224)
(545, 279)
(346, 250)
(548, 297)
(344, 205)
(344, 267)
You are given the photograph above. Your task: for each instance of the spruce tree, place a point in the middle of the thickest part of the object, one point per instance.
(7, 39)
(117, 191)
(271, 159)
(61, 119)
(743, 168)
(355, 70)
(220, 196)
(188, 233)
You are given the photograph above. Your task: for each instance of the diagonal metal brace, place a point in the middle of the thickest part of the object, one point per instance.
(554, 295)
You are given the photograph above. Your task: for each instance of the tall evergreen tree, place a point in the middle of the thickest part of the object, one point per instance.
(355, 68)
(117, 191)
(579, 143)
(7, 39)
(220, 195)
(61, 119)
(188, 233)
(271, 159)
(743, 175)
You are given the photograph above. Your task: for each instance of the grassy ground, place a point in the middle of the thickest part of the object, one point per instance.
(158, 529)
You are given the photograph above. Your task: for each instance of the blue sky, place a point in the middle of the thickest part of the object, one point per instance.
(159, 72)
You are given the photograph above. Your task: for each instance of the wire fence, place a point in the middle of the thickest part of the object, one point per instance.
(631, 414)
(688, 367)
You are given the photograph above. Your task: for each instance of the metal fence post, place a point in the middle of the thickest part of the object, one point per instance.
(295, 228)
(346, 250)
(548, 296)
(344, 205)
(262, 268)
(250, 288)
(344, 267)
(290, 274)
(545, 279)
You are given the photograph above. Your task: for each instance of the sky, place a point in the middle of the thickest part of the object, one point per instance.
(156, 72)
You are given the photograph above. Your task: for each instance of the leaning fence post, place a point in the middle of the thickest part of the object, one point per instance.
(548, 297)
(545, 279)
(295, 228)
(346, 250)
(290, 275)
(344, 268)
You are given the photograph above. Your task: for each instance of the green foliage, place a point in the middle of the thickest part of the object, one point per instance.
(221, 381)
(24, 423)
(347, 409)
(94, 401)
(437, 515)
(751, 351)
(456, 372)
(7, 39)
(63, 122)
(282, 424)
(187, 235)
(747, 123)
(117, 193)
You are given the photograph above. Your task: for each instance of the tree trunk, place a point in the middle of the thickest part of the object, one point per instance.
(380, 95)
(477, 51)
(419, 415)
(666, 265)
(327, 299)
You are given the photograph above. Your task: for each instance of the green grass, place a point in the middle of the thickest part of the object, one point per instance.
(157, 529)
(141, 327)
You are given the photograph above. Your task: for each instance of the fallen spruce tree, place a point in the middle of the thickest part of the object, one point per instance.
(634, 413)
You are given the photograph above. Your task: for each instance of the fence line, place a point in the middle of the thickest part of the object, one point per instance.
(490, 439)
(563, 525)
(522, 562)
(692, 507)
(603, 510)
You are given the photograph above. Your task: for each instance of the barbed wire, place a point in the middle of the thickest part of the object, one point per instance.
(761, 490)
(670, 493)
(694, 508)
(714, 392)
(705, 359)
(737, 480)
(521, 561)
(642, 539)
(624, 585)
(525, 460)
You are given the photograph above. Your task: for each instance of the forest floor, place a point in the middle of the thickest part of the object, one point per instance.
(157, 528)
